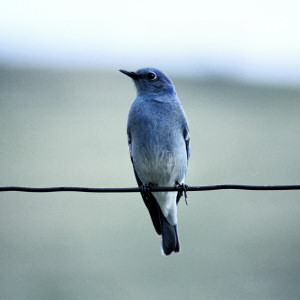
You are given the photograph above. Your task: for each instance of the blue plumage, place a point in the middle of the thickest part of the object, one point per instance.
(159, 146)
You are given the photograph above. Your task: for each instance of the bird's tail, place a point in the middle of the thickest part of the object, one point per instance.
(170, 240)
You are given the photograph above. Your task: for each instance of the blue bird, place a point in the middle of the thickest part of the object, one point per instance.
(159, 147)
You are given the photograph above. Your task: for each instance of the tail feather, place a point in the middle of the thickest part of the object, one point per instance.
(177, 246)
(170, 240)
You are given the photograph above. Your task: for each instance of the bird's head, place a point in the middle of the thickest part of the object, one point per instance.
(151, 81)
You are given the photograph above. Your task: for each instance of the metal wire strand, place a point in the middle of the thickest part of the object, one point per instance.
(151, 189)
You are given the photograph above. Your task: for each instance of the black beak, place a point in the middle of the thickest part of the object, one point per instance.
(130, 74)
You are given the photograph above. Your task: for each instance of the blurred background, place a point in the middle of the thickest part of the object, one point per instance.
(63, 112)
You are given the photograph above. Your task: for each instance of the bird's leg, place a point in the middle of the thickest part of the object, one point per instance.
(146, 188)
(183, 190)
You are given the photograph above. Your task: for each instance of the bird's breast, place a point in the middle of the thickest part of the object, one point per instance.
(157, 143)
(159, 157)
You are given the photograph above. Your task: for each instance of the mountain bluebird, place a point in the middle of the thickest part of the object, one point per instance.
(159, 146)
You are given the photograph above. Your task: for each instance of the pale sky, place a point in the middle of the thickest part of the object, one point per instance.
(252, 39)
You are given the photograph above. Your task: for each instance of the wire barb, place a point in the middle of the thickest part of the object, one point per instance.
(150, 189)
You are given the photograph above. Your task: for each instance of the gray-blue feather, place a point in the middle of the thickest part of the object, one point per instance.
(159, 146)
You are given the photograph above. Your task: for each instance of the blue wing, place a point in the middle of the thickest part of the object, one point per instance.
(187, 139)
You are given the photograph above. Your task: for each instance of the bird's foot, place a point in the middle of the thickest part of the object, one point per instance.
(183, 190)
(146, 188)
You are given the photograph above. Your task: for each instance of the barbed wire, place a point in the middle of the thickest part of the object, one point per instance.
(180, 188)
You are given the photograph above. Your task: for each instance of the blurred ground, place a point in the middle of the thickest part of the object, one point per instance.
(69, 128)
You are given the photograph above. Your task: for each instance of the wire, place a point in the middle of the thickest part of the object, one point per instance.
(180, 188)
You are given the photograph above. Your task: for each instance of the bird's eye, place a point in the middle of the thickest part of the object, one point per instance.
(151, 76)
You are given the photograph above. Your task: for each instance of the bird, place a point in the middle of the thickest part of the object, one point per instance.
(159, 148)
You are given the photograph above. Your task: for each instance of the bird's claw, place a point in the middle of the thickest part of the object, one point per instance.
(146, 188)
(183, 190)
